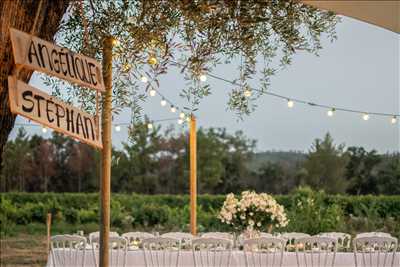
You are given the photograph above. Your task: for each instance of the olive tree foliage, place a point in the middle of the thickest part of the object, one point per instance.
(193, 36)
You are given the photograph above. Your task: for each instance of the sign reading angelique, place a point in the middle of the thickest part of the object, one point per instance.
(34, 53)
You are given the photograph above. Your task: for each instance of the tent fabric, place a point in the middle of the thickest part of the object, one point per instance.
(385, 14)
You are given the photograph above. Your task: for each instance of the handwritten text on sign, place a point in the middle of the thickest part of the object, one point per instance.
(47, 110)
(37, 54)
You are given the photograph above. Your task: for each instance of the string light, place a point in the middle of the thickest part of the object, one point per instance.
(150, 126)
(44, 130)
(163, 102)
(180, 121)
(301, 101)
(203, 77)
(173, 109)
(188, 119)
(365, 116)
(182, 115)
(115, 42)
(144, 79)
(117, 128)
(393, 120)
(247, 93)
(152, 60)
(331, 112)
(152, 92)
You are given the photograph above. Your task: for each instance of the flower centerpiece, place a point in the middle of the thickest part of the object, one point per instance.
(253, 213)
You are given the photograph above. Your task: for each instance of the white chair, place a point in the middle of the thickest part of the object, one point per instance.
(117, 250)
(377, 251)
(267, 251)
(213, 252)
(242, 237)
(161, 251)
(96, 235)
(291, 239)
(316, 250)
(371, 234)
(185, 238)
(343, 239)
(218, 235)
(68, 250)
(135, 238)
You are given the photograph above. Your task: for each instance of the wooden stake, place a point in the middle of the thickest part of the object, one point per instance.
(193, 176)
(48, 224)
(106, 155)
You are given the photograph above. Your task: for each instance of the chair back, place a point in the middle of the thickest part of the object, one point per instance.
(291, 239)
(96, 235)
(343, 239)
(136, 238)
(117, 247)
(264, 251)
(185, 238)
(161, 251)
(369, 234)
(68, 250)
(377, 251)
(209, 251)
(316, 251)
(223, 235)
(240, 238)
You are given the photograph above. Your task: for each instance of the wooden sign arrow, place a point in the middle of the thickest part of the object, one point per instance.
(34, 53)
(38, 106)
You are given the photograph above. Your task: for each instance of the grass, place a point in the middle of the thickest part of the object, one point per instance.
(23, 249)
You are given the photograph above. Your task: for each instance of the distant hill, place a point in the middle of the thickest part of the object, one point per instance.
(288, 159)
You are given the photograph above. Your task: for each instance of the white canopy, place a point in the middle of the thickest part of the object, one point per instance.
(385, 14)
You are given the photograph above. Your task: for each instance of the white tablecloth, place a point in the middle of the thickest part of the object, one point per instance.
(136, 259)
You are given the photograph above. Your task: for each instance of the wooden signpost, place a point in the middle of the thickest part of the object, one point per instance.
(34, 53)
(37, 54)
(42, 108)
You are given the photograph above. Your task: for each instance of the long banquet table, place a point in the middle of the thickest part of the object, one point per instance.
(136, 258)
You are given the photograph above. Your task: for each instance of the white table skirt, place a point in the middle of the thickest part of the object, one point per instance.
(136, 259)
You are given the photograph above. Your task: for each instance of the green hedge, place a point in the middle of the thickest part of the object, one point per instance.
(167, 212)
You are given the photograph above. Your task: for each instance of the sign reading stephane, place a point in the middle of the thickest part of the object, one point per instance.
(38, 106)
(37, 54)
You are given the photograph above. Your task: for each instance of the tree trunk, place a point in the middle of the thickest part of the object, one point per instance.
(20, 14)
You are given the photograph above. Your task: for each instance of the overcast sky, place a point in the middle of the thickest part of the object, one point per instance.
(360, 71)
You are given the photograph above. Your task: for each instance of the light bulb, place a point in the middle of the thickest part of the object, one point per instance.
(188, 119)
(152, 60)
(173, 109)
(150, 126)
(115, 42)
(365, 116)
(393, 120)
(331, 112)
(152, 92)
(247, 93)
(180, 121)
(203, 77)
(163, 102)
(44, 130)
(117, 128)
(144, 79)
(126, 67)
(290, 103)
(182, 115)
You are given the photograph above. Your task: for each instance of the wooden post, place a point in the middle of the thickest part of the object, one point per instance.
(48, 224)
(106, 154)
(193, 176)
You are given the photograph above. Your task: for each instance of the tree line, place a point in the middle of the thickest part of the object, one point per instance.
(156, 161)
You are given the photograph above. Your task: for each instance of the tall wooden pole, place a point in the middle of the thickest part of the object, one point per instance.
(193, 176)
(106, 153)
